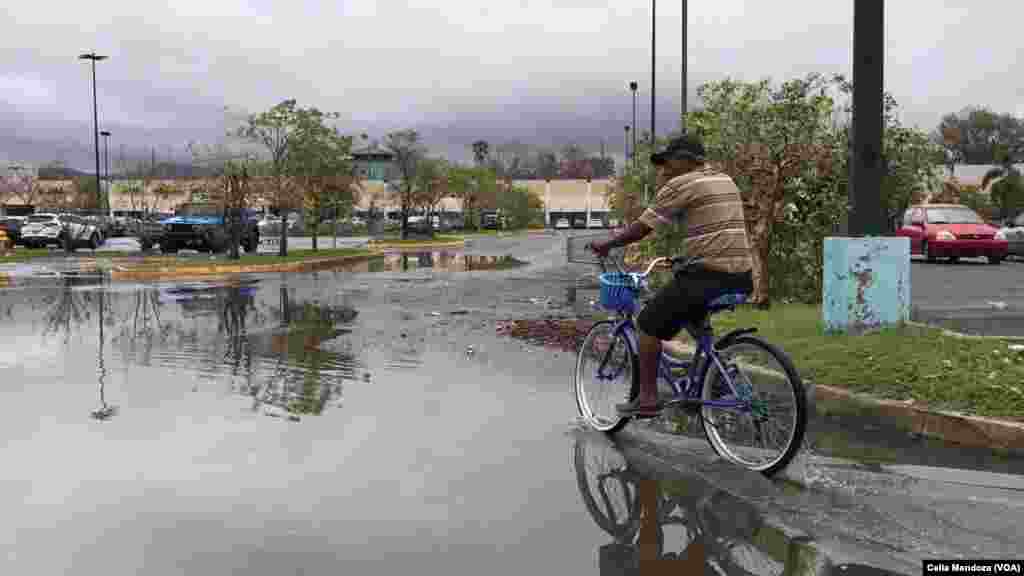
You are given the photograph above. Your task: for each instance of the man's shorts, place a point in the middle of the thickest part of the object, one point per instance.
(684, 300)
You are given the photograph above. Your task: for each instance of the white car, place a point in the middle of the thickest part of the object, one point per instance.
(48, 228)
(1014, 232)
(562, 223)
(595, 223)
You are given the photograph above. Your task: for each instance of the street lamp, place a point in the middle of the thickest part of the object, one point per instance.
(106, 164)
(627, 147)
(654, 26)
(633, 86)
(94, 57)
(685, 24)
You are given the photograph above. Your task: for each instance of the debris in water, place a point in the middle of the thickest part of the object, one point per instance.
(564, 334)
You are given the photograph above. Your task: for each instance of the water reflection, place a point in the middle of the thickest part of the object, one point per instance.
(266, 346)
(449, 261)
(662, 526)
(105, 411)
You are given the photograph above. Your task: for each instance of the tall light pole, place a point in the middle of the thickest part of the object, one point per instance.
(94, 57)
(866, 216)
(685, 25)
(654, 27)
(106, 166)
(626, 162)
(633, 86)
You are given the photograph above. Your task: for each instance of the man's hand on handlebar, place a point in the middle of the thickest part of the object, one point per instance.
(600, 248)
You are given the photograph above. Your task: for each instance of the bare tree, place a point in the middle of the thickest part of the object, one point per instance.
(408, 154)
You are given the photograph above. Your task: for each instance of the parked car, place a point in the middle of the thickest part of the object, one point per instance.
(203, 227)
(562, 223)
(952, 231)
(1013, 230)
(492, 221)
(12, 225)
(579, 223)
(595, 223)
(147, 229)
(47, 228)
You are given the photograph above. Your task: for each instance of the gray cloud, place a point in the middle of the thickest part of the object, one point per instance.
(537, 72)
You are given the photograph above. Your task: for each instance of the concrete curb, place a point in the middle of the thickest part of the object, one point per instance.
(974, 431)
(953, 334)
(795, 550)
(188, 271)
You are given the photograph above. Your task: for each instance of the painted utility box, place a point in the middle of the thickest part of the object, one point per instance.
(866, 283)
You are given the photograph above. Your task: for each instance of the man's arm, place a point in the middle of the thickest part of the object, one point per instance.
(633, 233)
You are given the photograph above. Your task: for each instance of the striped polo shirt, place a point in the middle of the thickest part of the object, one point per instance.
(708, 203)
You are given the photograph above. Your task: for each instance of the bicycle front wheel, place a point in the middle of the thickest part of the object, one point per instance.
(606, 374)
(767, 428)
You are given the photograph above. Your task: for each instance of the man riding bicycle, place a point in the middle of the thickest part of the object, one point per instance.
(709, 204)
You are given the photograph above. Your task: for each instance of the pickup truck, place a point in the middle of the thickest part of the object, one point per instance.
(204, 227)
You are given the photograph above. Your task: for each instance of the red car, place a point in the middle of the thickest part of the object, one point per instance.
(951, 231)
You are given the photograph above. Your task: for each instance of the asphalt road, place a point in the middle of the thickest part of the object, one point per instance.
(373, 422)
(970, 296)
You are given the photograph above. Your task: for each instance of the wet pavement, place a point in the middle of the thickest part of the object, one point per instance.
(370, 420)
(970, 296)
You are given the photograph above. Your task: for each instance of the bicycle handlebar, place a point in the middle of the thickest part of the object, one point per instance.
(650, 267)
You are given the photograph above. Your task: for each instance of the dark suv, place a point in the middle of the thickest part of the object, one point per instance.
(204, 227)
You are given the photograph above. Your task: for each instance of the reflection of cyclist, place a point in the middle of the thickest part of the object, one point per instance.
(709, 204)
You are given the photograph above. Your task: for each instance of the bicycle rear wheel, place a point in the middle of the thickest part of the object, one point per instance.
(764, 378)
(607, 372)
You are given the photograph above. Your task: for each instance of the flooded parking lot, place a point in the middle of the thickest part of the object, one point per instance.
(369, 421)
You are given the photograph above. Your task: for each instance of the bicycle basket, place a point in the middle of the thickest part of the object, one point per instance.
(618, 291)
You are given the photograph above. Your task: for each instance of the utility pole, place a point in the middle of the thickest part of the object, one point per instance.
(93, 57)
(633, 86)
(654, 26)
(866, 217)
(685, 25)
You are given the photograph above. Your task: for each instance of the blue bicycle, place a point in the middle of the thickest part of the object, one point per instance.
(738, 384)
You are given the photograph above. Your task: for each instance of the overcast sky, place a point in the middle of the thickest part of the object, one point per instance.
(537, 72)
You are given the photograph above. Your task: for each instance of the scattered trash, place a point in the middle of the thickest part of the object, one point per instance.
(564, 334)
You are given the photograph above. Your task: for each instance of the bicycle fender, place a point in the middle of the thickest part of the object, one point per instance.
(726, 340)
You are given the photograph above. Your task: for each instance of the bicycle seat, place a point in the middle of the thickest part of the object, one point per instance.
(727, 301)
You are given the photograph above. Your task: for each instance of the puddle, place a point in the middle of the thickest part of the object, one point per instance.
(266, 346)
(448, 261)
(661, 525)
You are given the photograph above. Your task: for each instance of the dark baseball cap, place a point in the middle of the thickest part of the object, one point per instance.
(685, 146)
